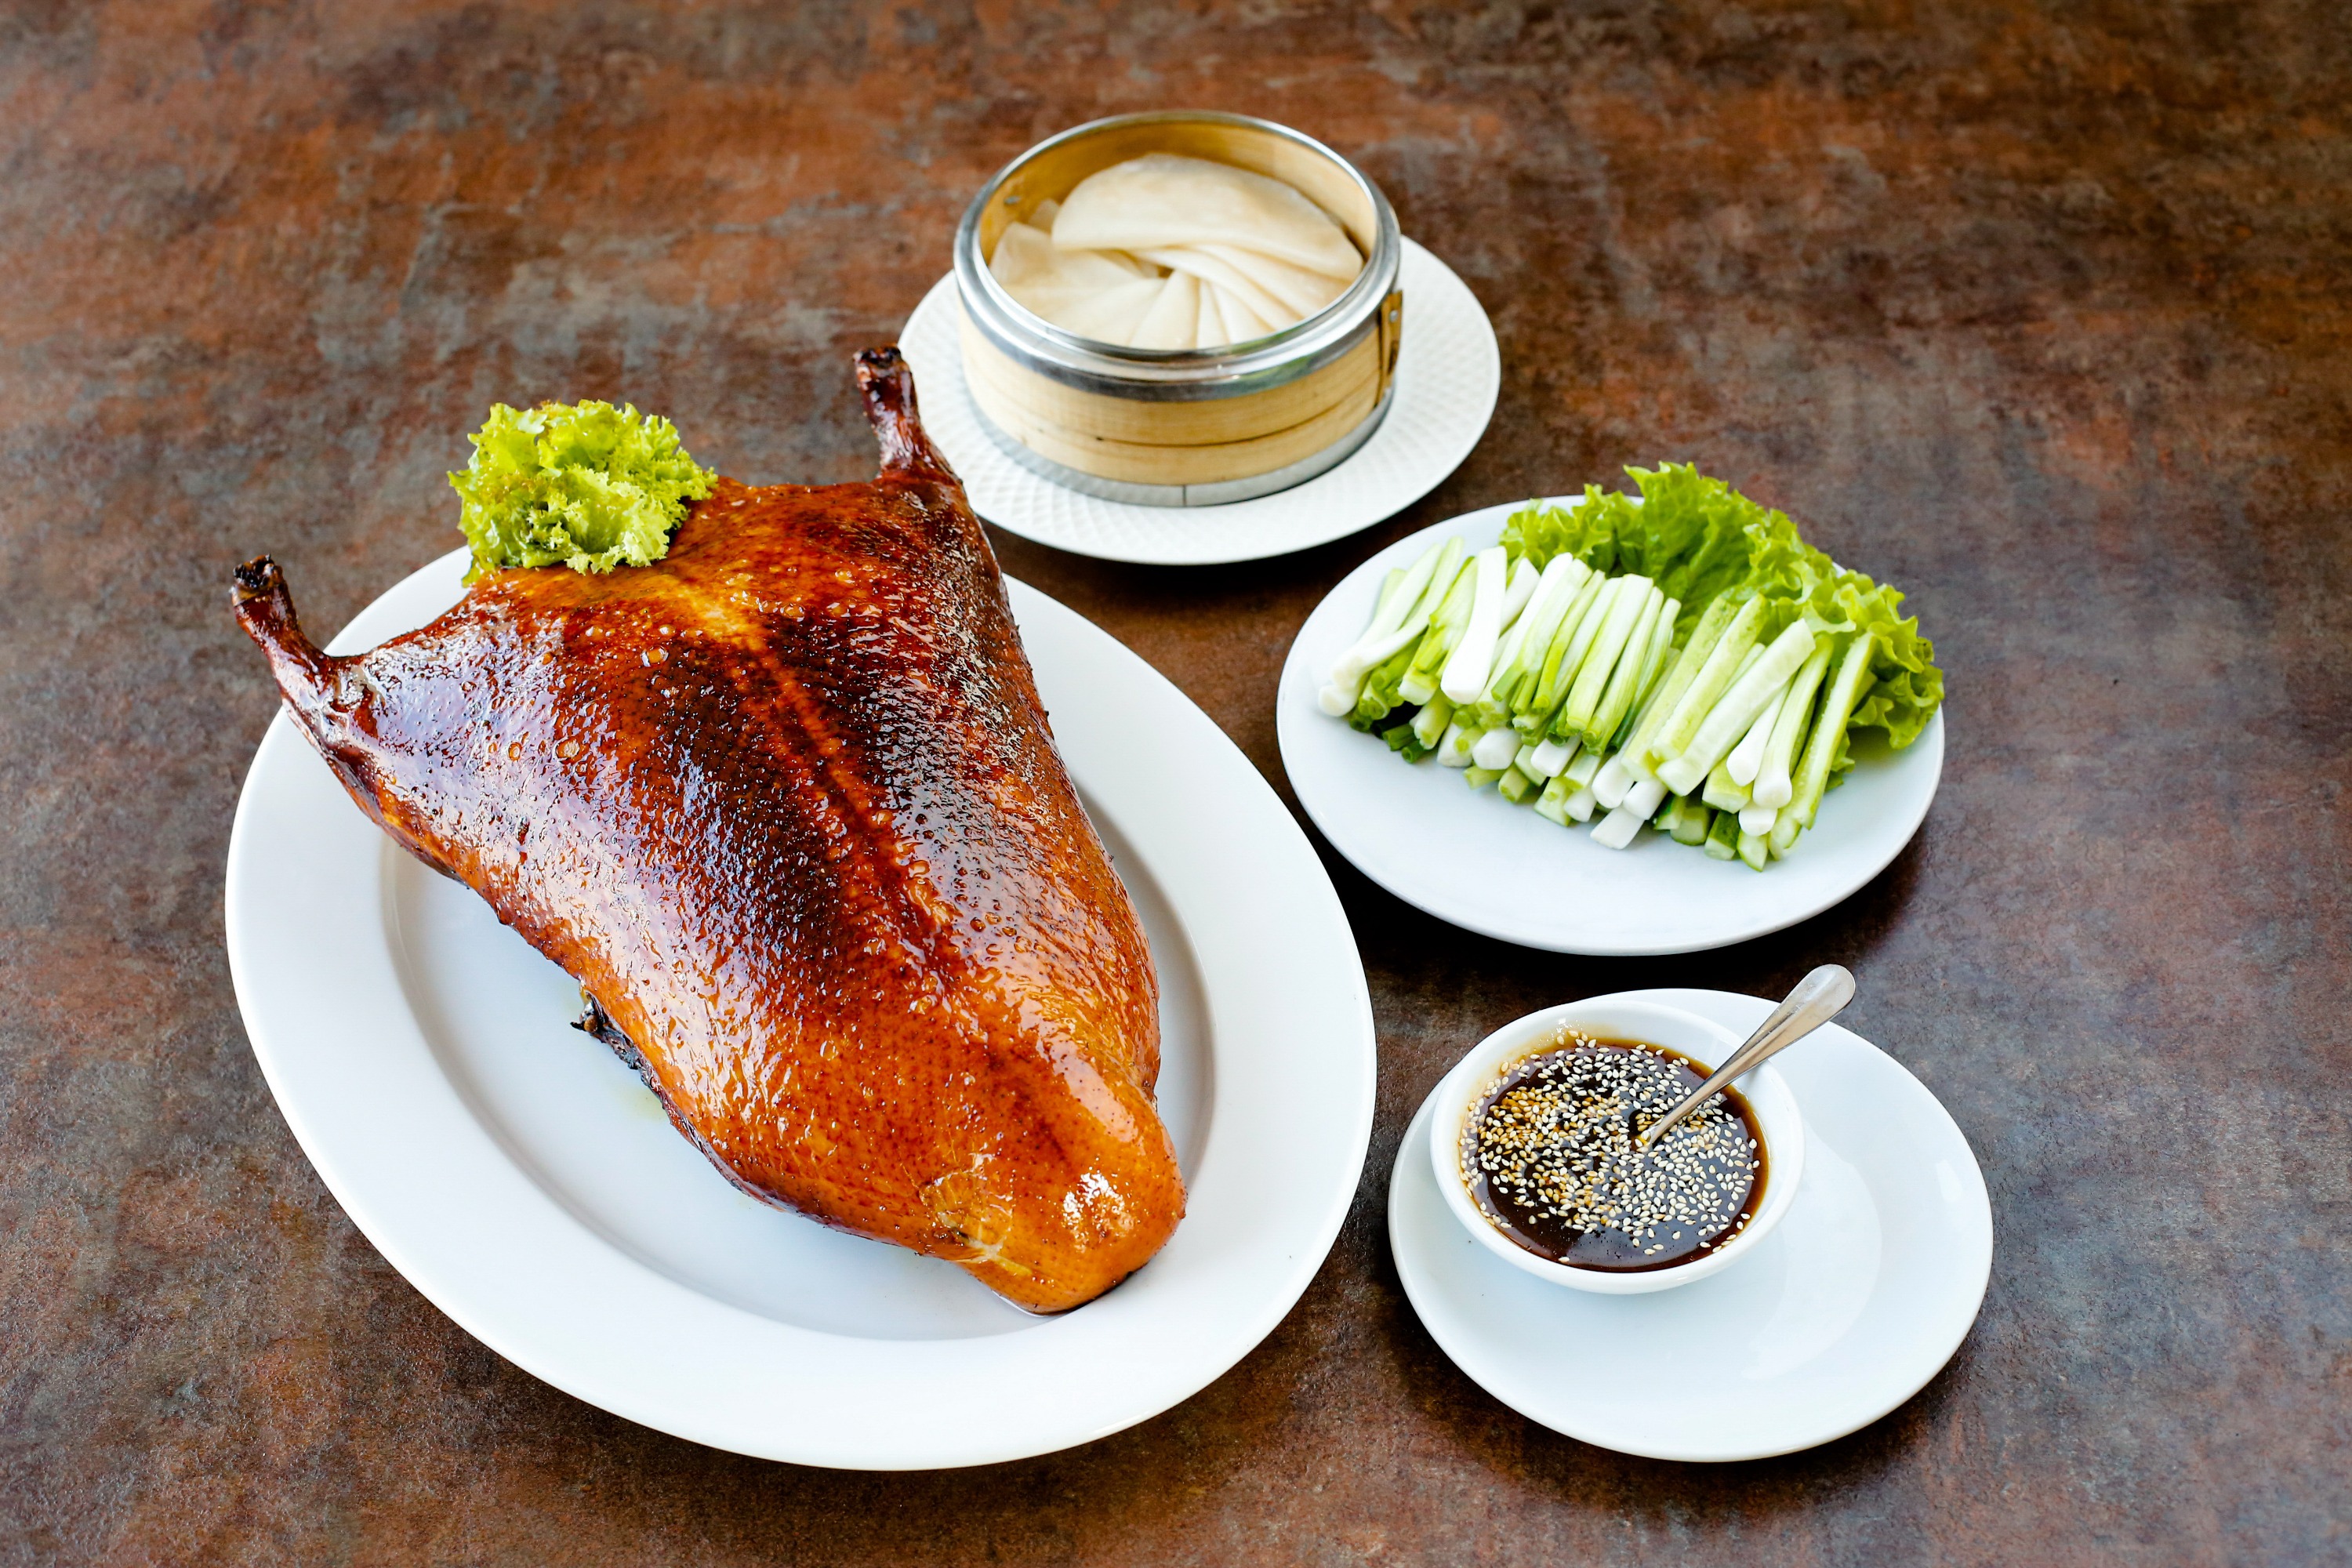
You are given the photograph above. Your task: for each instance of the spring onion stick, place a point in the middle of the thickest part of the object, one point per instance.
(1381, 694)
(1445, 629)
(1705, 688)
(1392, 618)
(1552, 805)
(1496, 748)
(1474, 655)
(1551, 757)
(1643, 798)
(1773, 786)
(1654, 666)
(1609, 784)
(1600, 661)
(1574, 643)
(1530, 711)
(1389, 609)
(1737, 710)
(1346, 684)
(1616, 830)
(1519, 588)
(1530, 632)
(1625, 680)
(1746, 759)
(1722, 792)
(1845, 689)
(1723, 836)
(1541, 668)
(1660, 704)
(1428, 725)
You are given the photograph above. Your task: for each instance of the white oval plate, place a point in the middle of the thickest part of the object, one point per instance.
(1448, 373)
(1857, 1299)
(1482, 863)
(524, 1181)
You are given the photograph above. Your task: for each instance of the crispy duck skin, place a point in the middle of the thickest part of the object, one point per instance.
(786, 805)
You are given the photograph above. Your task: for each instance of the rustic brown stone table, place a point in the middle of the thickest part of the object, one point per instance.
(2044, 313)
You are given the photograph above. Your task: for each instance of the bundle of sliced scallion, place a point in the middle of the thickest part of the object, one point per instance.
(1683, 659)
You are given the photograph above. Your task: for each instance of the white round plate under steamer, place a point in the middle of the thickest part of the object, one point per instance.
(1860, 1296)
(1480, 862)
(531, 1188)
(1449, 371)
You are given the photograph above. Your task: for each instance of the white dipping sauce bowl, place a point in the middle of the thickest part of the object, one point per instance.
(1461, 1091)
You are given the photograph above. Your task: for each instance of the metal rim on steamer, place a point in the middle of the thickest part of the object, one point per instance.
(1216, 492)
(1177, 375)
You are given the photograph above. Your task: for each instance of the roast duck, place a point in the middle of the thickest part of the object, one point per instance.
(786, 805)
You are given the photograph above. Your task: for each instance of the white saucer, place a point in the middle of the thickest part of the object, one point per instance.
(1844, 1311)
(1466, 858)
(1448, 373)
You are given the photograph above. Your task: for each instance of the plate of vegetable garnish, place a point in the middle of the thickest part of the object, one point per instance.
(1619, 723)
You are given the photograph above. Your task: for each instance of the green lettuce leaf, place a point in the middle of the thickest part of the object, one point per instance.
(1906, 687)
(1587, 531)
(1692, 535)
(1696, 537)
(587, 486)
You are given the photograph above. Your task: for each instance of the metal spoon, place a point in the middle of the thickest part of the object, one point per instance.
(1819, 997)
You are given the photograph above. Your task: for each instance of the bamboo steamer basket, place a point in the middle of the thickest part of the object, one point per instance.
(1181, 427)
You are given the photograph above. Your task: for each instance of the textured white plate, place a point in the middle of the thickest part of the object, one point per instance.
(1499, 869)
(1859, 1296)
(532, 1189)
(1448, 371)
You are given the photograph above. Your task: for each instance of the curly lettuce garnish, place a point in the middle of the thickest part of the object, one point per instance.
(1587, 531)
(582, 485)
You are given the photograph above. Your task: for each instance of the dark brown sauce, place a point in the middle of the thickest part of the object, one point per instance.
(1549, 1159)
